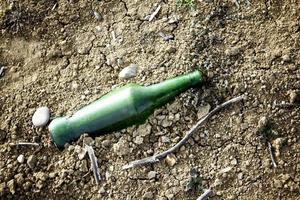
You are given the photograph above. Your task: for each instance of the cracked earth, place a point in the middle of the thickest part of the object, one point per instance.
(58, 54)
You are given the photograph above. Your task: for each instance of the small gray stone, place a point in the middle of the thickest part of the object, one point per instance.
(81, 152)
(148, 195)
(21, 158)
(129, 72)
(41, 117)
(234, 162)
(83, 166)
(262, 123)
(139, 140)
(233, 51)
(121, 147)
(19, 178)
(31, 161)
(11, 186)
(240, 176)
(88, 141)
(152, 175)
(286, 58)
(106, 143)
(165, 139)
(295, 97)
(27, 186)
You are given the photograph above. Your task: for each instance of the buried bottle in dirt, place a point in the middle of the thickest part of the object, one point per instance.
(123, 107)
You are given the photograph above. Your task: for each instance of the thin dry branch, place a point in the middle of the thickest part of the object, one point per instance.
(272, 155)
(160, 156)
(205, 194)
(26, 144)
(94, 164)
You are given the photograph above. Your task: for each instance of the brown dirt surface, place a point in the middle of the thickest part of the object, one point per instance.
(57, 54)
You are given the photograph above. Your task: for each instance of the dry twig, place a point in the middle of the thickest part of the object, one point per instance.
(154, 13)
(94, 164)
(205, 194)
(26, 144)
(160, 156)
(272, 155)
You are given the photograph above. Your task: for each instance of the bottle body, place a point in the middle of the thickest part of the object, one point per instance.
(123, 107)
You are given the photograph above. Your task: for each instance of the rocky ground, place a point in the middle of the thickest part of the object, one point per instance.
(66, 54)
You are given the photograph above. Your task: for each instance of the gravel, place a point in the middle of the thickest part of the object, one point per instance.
(129, 72)
(31, 161)
(41, 117)
(21, 158)
(152, 175)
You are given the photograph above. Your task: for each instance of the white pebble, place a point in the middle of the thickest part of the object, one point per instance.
(41, 116)
(129, 72)
(21, 158)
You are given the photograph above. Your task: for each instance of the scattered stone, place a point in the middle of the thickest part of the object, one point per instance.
(88, 141)
(277, 144)
(31, 161)
(139, 140)
(27, 186)
(40, 176)
(203, 110)
(286, 58)
(21, 158)
(97, 15)
(52, 174)
(234, 162)
(19, 178)
(129, 72)
(41, 117)
(102, 190)
(81, 152)
(233, 51)
(83, 166)
(144, 129)
(166, 123)
(240, 176)
(278, 183)
(148, 195)
(295, 97)
(11, 186)
(165, 139)
(173, 19)
(121, 147)
(106, 143)
(152, 175)
(225, 170)
(262, 123)
(171, 160)
(166, 37)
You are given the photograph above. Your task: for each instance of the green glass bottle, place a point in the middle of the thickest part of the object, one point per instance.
(123, 107)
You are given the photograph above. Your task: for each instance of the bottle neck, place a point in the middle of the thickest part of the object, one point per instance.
(166, 90)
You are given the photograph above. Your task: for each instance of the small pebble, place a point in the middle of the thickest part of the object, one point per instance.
(21, 158)
(152, 175)
(41, 117)
(97, 15)
(171, 160)
(295, 97)
(165, 139)
(148, 195)
(129, 72)
(32, 161)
